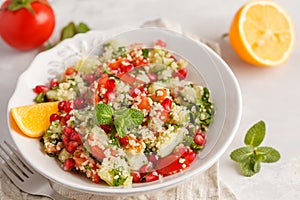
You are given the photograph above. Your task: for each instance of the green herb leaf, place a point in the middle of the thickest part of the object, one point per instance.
(104, 114)
(82, 28)
(242, 154)
(248, 166)
(251, 156)
(269, 154)
(145, 53)
(255, 134)
(256, 166)
(127, 118)
(68, 31)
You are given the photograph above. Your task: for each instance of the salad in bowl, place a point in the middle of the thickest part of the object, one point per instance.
(126, 116)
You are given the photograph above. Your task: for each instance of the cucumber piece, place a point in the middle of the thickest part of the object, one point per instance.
(170, 141)
(63, 155)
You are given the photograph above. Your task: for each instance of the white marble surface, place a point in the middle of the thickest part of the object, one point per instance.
(270, 94)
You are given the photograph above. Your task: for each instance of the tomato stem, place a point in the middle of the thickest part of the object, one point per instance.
(15, 5)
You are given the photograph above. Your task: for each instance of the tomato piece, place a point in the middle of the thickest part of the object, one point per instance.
(159, 95)
(24, 30)
(98, 96)
(171, 164)
(70, 71)
(145, 103)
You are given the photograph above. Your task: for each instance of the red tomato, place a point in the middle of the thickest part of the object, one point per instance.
(24, 29)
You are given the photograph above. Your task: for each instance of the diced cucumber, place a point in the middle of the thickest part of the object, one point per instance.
(63, 155)
(171, 140)
(52, 94)
(136, 160)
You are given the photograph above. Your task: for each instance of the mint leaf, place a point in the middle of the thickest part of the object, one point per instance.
(248, 166)
(241, 154)
(127, 118)
(104, 114)
(255, 134)
(251, 156)
(256, 166)
(269, 154)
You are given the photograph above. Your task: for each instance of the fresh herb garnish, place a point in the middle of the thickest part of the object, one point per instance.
(104, 114)
(251, 156)
(145, 53)
(123, 119)
(69, 31)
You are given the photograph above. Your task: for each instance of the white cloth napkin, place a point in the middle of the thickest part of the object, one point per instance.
(206, 185)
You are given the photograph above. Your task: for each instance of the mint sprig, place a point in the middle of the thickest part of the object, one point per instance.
(123, 119)
(251, 156)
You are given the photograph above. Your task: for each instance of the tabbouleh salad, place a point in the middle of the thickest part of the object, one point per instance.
(126, 116)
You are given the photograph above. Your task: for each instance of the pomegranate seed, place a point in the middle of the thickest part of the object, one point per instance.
(54, 117)
(76, 137)
(69, 164)
(136, 176)
(90, 78)
(200, 139)
(146, 168)
(153, 176)
(65, 139)
(153, 158)
(123, 140)
(167, 104)
(79, 103)
(106, 128)
(183, 72)
(71, 146)
(68, 131)
(40, 88)
(61, 105)
(173, 57)
(68, 117)
(68, 106)
(54, 83)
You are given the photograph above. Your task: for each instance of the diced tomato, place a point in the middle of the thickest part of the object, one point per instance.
(171, 164)
(144, 104)
(159, 95)
(146, 168)
(70, 71)
(101, 83)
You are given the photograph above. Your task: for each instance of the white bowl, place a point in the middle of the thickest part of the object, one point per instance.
(209, 70)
